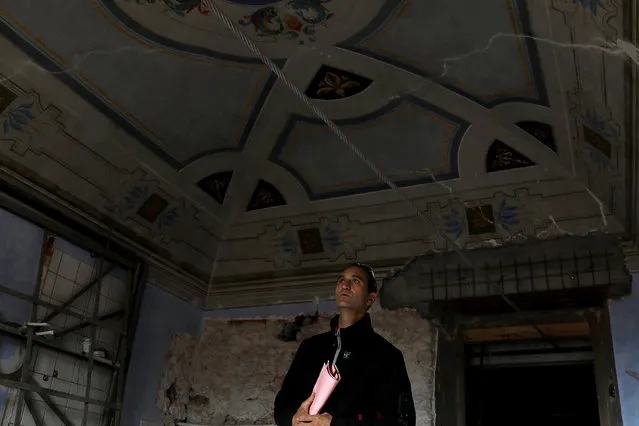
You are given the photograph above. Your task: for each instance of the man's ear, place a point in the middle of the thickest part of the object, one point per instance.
(371, 298)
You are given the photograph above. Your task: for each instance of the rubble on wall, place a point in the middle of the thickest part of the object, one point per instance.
(414, 336)
(233, 372)
(173, 395)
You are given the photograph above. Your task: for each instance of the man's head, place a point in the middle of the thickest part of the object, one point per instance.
(356, 288)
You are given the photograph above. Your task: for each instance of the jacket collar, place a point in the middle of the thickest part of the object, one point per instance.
(360, 328)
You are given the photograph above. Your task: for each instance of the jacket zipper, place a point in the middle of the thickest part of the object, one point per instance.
(339, 347)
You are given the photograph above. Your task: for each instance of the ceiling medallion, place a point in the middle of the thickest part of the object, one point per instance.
(277, 26)
(293, 19)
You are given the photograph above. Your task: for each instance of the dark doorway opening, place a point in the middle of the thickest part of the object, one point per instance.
(545, 388)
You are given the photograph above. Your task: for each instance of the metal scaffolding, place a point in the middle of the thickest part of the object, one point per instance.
(120, 321)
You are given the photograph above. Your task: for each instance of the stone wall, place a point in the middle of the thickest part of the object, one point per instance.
(233, 372)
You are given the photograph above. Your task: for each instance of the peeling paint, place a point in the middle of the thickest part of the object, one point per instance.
(232, 373)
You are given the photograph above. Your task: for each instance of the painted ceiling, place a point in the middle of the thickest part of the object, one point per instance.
(152, 114)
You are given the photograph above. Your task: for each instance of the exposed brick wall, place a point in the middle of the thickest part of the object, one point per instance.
(233, 372)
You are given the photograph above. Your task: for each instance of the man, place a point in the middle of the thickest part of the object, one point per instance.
(374, 389)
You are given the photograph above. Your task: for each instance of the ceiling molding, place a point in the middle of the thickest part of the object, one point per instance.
(255, 111)
(355, 44)
(392, 107)
(218, 111)
(296, 287)
(209, 165)
(249, 173)
(631, 76)
(96, 95)
(461, 188)
(104, 230)
(122, 20)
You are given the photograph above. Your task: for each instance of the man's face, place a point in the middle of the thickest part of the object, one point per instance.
(352, 290)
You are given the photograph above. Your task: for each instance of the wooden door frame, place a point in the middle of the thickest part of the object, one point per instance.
(450, 381)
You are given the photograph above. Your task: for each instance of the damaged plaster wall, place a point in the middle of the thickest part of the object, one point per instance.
(231, 374)
(162, 316)
(624, 324)
(282, 310)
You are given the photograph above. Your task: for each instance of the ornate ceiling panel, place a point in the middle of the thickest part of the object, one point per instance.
(411, 141)
(498, 118)
(281, 26)
(170, 101)
(463, 59)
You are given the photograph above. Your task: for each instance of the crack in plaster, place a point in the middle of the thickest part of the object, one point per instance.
(618, 48)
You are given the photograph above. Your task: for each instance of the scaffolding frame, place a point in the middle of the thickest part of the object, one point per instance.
(22, 379)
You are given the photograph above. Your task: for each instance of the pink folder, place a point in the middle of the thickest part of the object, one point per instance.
(328, 378)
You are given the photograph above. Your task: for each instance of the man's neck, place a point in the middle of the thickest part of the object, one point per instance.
(348, 317)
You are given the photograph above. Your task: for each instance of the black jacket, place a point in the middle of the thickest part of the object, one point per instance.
(374, 389)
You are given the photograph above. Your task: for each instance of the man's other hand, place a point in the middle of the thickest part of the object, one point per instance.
(302, 418)
(317, 420)
(303, 410)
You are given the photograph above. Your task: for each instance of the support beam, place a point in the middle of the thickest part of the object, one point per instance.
(23, 198)
(37, 301)
(450, 401)
(33, 315)
(94, 314)
(56, 410)
(82, 291)
(527, 332)
(524, 318)
(605, 371)
(102, 318)
(39, 341)
(107, 416)
(28, 400)
(34, 387)
(578, 269)
(135, 293)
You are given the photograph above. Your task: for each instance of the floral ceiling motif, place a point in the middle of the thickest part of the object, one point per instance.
(295, 19)
(331, 83)
(294, 22)
(201, 104)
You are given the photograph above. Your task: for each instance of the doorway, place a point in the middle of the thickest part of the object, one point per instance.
(526, 384)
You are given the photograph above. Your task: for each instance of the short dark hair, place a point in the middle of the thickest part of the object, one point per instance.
(370, 274)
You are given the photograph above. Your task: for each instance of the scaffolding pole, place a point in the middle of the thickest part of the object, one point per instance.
(33, 316)
(94, 315)
(23, 381)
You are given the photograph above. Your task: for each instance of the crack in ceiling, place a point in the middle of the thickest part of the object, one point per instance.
(231, 211)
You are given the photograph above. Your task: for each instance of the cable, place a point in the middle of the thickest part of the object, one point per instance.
(331, 125)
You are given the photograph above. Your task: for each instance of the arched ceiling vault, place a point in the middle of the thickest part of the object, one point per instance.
(492, 116)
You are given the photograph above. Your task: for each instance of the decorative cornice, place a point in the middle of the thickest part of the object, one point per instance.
(275, 290)
(190, 288)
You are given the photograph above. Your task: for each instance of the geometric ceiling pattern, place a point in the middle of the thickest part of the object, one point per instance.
(427, 137)
(153, 114)
(437, 54)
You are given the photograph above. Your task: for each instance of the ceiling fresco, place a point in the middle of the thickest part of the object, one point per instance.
(429, 149)
(279, 26)
(503, 120)
(462, 60)
(147, 91)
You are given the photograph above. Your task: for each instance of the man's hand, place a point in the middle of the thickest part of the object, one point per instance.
(302, 418)
(303, 410)
(317, 420)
